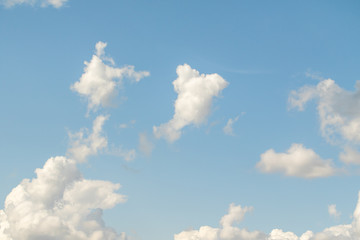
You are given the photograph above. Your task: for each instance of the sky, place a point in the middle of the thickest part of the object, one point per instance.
(182, 120)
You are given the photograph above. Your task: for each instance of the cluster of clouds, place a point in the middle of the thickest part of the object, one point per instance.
(42, 3)
(339, 117)
(59, 203)
(227, 230)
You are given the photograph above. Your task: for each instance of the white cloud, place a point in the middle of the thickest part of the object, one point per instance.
(59, 204)
(145, 145)
(42, 3)
(332, 211)
(228, 129)
(350, 156)
(339, 232)
(226, 231)
(338, 109)
(298, 161)
(100, 82)
(82, 147)
(193, 104)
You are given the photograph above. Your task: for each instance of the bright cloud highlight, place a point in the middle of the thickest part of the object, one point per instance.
(59, 204)
(229, 232)
(100, 82)
(193, 104)
(298, 161)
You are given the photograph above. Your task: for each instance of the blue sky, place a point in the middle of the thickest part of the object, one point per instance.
(284, 72)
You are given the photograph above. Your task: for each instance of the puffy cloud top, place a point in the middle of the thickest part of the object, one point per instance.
(193, 104)
(229, 232)
(59, 204)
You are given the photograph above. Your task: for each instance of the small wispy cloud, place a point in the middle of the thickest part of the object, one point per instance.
(228, 129)
(145, 144)
(332, 211)
(84, 143)
(42, 3)
(127, 154)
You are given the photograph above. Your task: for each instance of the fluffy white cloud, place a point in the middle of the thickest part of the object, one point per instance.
(226, 231)
(193, 104)
(298, 161)
(100, 82)
(338, 109)
(59, 204)
(332, 210)
(82, 147)
(339, 232)
(42, 3)
(228, 129)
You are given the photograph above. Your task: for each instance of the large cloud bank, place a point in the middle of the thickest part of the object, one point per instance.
(59, 204)
(236, 213)
(42, 3)
(100, 82)
(193, 104)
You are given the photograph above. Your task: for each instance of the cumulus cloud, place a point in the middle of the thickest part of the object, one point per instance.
(145, 145)
(59, 204)
(339, 232)
(298, 161)
(332, 211)
(228, 129)
(100, 82)
(193, 104)
(84, 144)
(226, 231)
(338, 109)
(42, 3)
